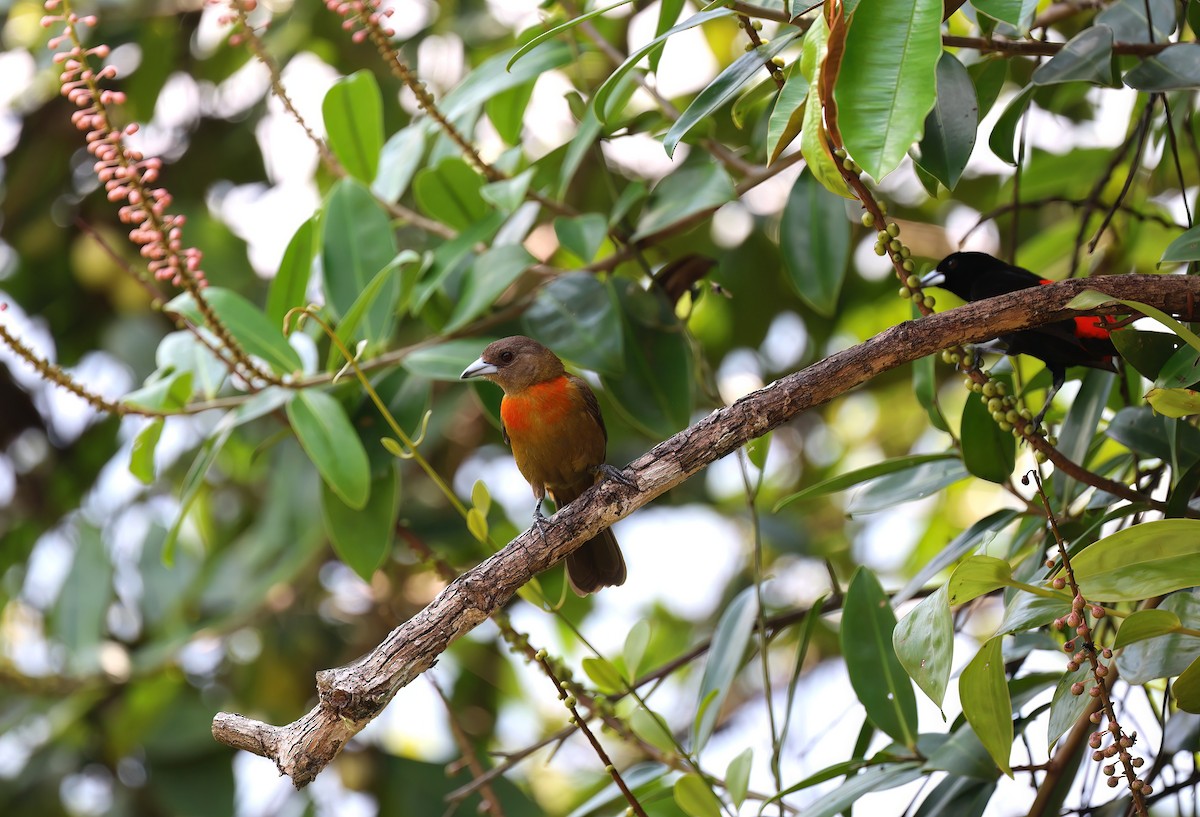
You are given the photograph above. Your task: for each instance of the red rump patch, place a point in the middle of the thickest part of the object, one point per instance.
(1088, 326)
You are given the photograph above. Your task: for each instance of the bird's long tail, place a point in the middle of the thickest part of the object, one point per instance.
(598, 562)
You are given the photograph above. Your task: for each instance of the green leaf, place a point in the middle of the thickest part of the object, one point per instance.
(685, 193)
(878, 678)
(1187, 688)
(445, 361)
(1167, 655)
(1027, 610)
(871, 779)
(362, 537)
(165, 394)
(577, 316)
(908, 485)
(605, 91)
(506, 110)
(585, 137)
(649, 727)
(976, 577)
(183, 352)
(986, 704)
(1017, 13)
(552, 33)
(1127, 19)
(1005, 129)
(1144, 624)
(737, 776)
(733, 634)
(989, 76)
(357, 243)
(1087, 57)
(814, 239)
(1066, 709)
(654, 393)
(582, 235)
(604, 675)
(1091, 299)
(757, 449)
(1079, 428)
(1147, 352)
(480, 498)
(450, 193)
(978, 535)
(353, 111)
(668, 15)
(887, 82)
(78, 615)
(488, 277)
(1181, 370)
(924, 644)
(860, 475)
(327, 437)
(141, 456)
(1150, 559)
(722, 89)
(1177, 68)
(477, 524)
(987, 451)
(509, 194)
(814, 141)
(1174, 402)
(635, 647)
(398, 162)
(696, 797)
(751, 98)
(787, 115)
(390, 274)
(499, 73)
(963, 754)
(290, 284)
(951, 126)
(249, 326)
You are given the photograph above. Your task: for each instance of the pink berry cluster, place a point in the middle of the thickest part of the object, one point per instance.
(128, 176)
(365, 13)
(238, 9)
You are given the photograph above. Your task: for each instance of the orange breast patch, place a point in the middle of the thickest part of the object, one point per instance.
(543, 404)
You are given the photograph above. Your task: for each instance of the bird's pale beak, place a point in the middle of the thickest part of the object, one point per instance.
(478, 369)
(933, 278)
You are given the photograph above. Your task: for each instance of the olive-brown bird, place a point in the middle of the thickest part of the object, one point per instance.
(552, 421)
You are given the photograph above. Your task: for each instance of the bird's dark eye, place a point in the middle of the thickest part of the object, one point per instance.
(506, 357)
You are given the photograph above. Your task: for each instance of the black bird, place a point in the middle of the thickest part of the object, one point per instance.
(1083, 341)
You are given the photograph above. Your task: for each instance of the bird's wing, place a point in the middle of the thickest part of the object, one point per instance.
(1001, 281)
(590, 402)
(503, 430)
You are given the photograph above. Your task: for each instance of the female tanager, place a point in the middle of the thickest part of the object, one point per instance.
(552, 422)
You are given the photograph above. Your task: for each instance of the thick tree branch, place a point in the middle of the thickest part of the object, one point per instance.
(352, 695)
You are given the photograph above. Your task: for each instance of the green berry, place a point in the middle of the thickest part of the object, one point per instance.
(894, 245)
(905, 252)
(989, 388)
(1004, 426)
(930, 302)
(998, 416)
(948, 356)
(777, 61)
(995, 406)
(905, 293)
(1053, 440)
(1039, 456)
(868, 219)
(968, 384)
(758, 25)
(1001, 389)
(893, 229)
(880, 249)
(1011, 416)
(912, 282)
(908, 265)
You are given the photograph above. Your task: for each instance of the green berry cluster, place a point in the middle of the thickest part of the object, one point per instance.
(887, 242)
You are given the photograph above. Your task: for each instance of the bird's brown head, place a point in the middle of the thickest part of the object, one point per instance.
(515, 364)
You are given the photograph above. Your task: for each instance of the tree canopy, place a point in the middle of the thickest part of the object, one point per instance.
(248, 249)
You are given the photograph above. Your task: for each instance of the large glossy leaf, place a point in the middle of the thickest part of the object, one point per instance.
(887, 83)
(506, 110)
(398, 162)
(1127, 19)
(170, 392)
(450, 193)
(576, 315)
(960, 796)
(987, 451)
(976, 577)
(551, 33)
(924, 644)
(290, 284)
(353, 112)
(601, 98)
(1088, 57)
(1017, 13)
(1147, 352)
(722, 89)
(814, 239)
(1150, 559)
(986, 703)
(183, 352)
(1143, 432)
(1144, 624)
(951, 126)
(327, 437)
(683, 194)
(357, 243)
(1168, 655)
(1005, 129)
(878, 678)
(696, 797)
(248, 325)
(731, 638)
(963, 754)
(1027, 610)
(874, 778)
(362, 537)
(582, 236)
(1187, 688)
(988, 75)
(860, 475)
(445, 361)
(908, 485)
(1080, 426)
(141, 455)
(78, 616)
(1175, 69)
(491, 273)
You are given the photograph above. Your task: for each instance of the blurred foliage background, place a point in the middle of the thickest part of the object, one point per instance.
(221, 571)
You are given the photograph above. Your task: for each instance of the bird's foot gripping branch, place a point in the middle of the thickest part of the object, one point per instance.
(352, 695)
